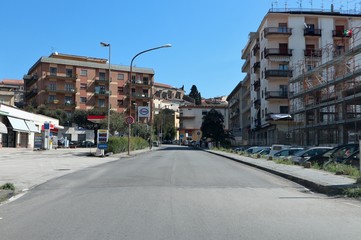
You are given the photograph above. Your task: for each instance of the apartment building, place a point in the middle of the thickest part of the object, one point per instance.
(191, 118)
(12, 92)
(70, 82)
(284, 39)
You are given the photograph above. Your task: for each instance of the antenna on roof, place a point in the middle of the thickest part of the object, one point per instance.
(311, 4)
(300, 3)
(275, 3)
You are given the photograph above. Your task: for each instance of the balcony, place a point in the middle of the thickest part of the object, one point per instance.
(277, 31)
(317, 53)
(256, 48)
(101, 93)
(278, 73)
(33, 92)
(256, 84)
(276, 95)
(312, 32)
(256, 66)
(277, 52)
(340, 33)
(61, 76)
(140, 96)
(101, 80)
(30, 79)
(142, 83)
(54, 90)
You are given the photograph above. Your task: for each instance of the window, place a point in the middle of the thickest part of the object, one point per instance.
(120, 76)
(52, 87)
(101, 75)
(101, 103)
(120, 102)
(283, 67)
(51, 98)
(84, 72)
(83, 85)
(53, 71)
(82, 99)
(69, 72)
(120, 90)
(69, 87)
(283, 109)
(145, 80)
(68, 100)
(282, 27)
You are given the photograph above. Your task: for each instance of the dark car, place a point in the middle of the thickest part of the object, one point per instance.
(85, 144)
(337, 154)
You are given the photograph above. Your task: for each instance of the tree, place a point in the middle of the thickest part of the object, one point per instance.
(213, 127)
(164, 123)
(195, 95)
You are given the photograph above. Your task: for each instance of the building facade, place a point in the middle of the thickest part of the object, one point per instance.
(283, 40)
(191, 118)
(12, 92)
(71, 82)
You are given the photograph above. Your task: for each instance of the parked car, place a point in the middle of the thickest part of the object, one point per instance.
(336, 154)
(87, 144)
(256, 149)
(265, 151)
(302, 156)
(277, 147)
(286, 152)
(239, 149)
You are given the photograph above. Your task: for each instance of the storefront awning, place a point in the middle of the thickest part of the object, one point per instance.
(3, 128)
(31, 126)
(18, 125)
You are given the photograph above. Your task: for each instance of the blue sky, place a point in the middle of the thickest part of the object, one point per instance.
(207, 36)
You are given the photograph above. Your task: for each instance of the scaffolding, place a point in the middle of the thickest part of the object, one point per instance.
(325, 99)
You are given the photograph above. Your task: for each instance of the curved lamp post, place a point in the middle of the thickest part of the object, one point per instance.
(108, 46)
(130, 86)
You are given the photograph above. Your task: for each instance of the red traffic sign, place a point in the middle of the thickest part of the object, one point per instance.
(129, 120)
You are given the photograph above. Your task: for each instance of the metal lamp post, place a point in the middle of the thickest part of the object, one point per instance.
(109, 69)
(130, 86)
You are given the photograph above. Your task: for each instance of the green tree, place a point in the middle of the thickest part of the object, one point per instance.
(195, 95)
(213, 126)
(164, 123)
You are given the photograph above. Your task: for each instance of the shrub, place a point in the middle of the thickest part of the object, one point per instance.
(283, 161)
(342, 169)
(8, 186)
(352, 192)
(120, 144)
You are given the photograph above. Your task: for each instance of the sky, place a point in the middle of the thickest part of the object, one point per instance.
(207, 36)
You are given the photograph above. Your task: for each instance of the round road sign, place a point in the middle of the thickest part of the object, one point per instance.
(129, 120)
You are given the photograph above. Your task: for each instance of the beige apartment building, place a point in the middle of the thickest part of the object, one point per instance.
(70, 82)
(12, 92)
(286, 39)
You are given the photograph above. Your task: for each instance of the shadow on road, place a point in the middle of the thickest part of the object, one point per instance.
(177, 148)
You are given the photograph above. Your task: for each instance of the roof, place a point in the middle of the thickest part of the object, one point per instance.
(12, 82)
(79, 61)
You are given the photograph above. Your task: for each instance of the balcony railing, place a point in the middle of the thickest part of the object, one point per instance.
(312, 32)
(340, 33)
(277, 31)
(30, 79)
(277, 94)
(31, 93)
(278, 73)
(141, 82)
(277, 52)
(313, 53)
(140, 95)
(256, 84)
(62, 75)
(256, 66)
(70, 90)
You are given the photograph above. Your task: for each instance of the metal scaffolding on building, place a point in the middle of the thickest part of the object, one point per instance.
(325, 94)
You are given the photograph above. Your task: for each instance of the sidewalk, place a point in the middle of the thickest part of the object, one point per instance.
(27, 168)
(316, 180)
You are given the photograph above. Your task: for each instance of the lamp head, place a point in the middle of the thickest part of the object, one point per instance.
(105, 44)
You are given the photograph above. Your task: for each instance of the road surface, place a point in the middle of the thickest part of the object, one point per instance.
(176, 193)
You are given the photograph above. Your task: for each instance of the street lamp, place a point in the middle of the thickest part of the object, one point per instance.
(108, 46)
(130, 86)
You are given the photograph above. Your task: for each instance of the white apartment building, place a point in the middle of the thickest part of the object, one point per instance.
(284, 39)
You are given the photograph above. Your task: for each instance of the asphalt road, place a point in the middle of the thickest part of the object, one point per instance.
(176, 193)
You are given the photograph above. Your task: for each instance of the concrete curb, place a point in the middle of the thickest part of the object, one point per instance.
(330, 190)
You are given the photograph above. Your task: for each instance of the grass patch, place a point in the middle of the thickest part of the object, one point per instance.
(352, 192)
(343, 169)
(283, 161)
(8, 186)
